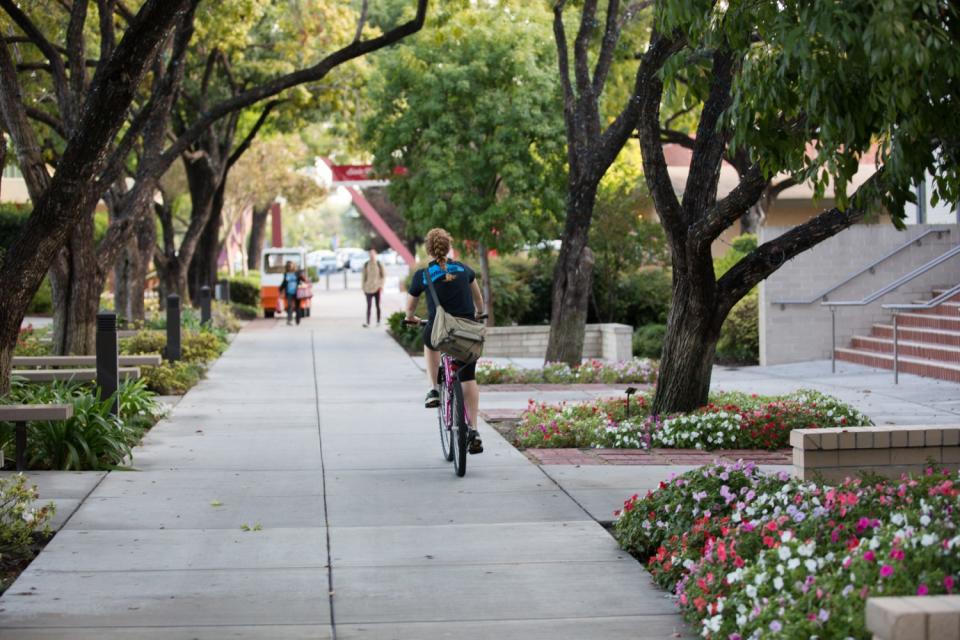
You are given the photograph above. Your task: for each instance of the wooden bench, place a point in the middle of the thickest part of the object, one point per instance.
(143, 360)
(914, 618)
(837, 453)
(21, 414)
(76, 375)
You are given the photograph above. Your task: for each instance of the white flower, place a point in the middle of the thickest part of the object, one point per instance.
(928, 539)
(786, 536)
(924, 520)
(811, 565)
(784, 553)
(806, 550)
(778, 583)
(793, 563)
(751, 591)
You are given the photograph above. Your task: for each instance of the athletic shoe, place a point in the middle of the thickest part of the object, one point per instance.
(432, 401)
(474, 443)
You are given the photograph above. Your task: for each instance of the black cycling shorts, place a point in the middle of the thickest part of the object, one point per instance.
(468, 372)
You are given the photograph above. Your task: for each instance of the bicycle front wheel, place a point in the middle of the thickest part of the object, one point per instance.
(445, 419)
(459, 432)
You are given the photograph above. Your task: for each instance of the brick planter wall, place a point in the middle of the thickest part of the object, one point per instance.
(838, 453)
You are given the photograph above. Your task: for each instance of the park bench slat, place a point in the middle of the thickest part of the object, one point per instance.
(141, 360)
(79, 375)
(31, 412)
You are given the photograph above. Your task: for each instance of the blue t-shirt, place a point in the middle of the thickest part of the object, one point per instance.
(455, 295)
(291, 279)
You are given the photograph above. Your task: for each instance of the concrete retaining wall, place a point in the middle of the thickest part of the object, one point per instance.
(612, 342)
(798, 333)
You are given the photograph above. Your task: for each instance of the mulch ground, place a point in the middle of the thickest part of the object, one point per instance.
(655, 456)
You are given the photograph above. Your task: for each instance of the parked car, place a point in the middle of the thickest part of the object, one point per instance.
(343, 256)
(357, 259)
(389, 257)
(323, 260)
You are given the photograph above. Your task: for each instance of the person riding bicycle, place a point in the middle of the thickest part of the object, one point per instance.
(459, 295)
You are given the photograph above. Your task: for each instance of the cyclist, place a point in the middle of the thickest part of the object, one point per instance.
(460, 295)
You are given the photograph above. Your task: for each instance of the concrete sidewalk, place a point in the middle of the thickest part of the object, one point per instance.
(314, 438)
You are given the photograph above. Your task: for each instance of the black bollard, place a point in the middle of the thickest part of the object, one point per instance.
(108, 359)
(204, 304)
(172, 352)
(225, 290)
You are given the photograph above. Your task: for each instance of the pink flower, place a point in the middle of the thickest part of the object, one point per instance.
(897, 554)
(886, 571)
(922, 590)
(869, 556)
(948, 584)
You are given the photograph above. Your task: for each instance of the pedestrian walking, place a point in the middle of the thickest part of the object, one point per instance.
(373, 278)
(288, 290)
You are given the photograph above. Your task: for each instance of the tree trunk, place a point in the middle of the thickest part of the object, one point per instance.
(144, 245)
(258, 227)
(487, 285)
(194, 257)
(689, 347)
(77, 284)
(572, 279)
(122, 277)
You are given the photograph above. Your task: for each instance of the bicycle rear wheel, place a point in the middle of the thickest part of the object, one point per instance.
(459, 431)
(443, 412)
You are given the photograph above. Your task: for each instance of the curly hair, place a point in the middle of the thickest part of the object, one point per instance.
(438, 244)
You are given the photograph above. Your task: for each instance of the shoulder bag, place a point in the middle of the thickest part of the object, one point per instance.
(460, 338)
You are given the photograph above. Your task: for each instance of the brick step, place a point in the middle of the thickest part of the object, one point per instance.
(949, 309)
(916, 334)
(927, 321)
(908, 348)
(916, 366)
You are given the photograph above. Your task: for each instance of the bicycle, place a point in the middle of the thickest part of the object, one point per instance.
(451, 412)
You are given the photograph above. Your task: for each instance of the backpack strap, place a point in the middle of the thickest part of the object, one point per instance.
(433, 291)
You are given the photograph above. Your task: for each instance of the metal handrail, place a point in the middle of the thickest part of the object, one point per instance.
(929, 304)
(870, 267)
(899, 282)
(876, 295)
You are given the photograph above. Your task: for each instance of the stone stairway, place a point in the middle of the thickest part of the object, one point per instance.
(928, 342)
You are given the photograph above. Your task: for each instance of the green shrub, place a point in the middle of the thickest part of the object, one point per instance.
(648, 341)
(245, 290)
(409, 336)
(42, 302)
(30, 342)
(244, 311)
(93, 438)
(739, 247)
(20, 520)
(223, 318)
(172, 378)
(642, 297)
(511, 295)
(195, 346)
(740, 335)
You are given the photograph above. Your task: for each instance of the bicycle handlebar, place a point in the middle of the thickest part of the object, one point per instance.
(421, 322)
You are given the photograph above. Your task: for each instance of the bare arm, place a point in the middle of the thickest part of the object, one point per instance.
(477, 297)
(411, 306)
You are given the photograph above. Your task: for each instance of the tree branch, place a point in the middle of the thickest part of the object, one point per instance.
(248, 140)
(563, 61)
(48, 119)
(362, 21)
(108, 35)
(730, 208)
(771, 255)
(708, 150)
(282, 83)
(50, 52)
(25, 142)
(611, 34)
(76, 59)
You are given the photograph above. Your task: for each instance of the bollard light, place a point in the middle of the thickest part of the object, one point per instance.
(108, 359)
(629, 391)
(172, 351)
(205, 304)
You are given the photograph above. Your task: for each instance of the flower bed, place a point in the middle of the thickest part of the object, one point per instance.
(636, 371)
(730, 421)
(757, 556)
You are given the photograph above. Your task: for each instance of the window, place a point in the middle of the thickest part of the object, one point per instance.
(276, 262)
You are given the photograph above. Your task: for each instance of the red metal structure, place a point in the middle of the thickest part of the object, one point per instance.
(356, 176)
